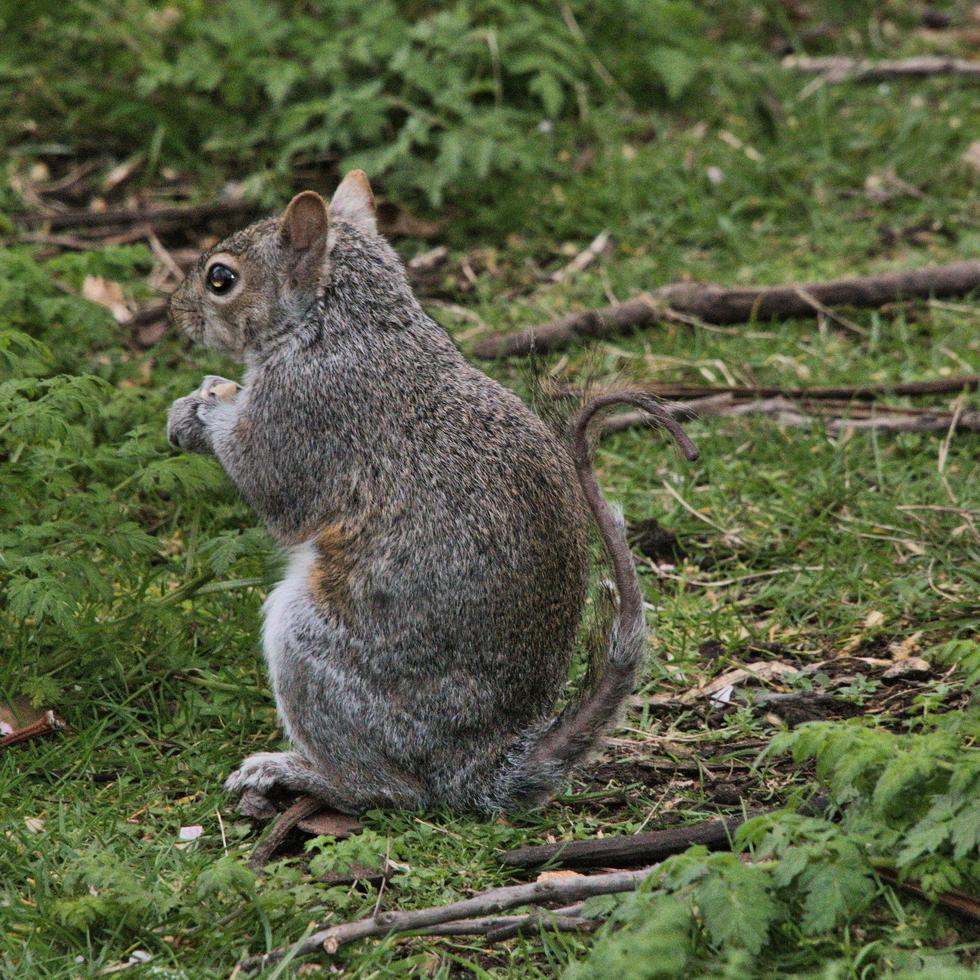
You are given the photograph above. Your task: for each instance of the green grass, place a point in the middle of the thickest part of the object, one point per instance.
(132, 579)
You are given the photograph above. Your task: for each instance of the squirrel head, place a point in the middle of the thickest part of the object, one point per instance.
(259, 284)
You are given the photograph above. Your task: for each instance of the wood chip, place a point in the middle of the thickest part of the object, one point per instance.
(329, 823)
(909, 668)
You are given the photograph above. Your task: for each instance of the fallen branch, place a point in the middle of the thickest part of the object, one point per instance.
(718, 305)
(938, 386)
(927, 422)
(572, 889)
(838, 69)
(837, 418)
(628, 850)
(497, 928)
(147, 217)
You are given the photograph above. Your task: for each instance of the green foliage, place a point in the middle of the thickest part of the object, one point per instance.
(88, 479)
(428, 97)
(823, 874)
(227, 875)
(367, 848)
(909, 800)
(965, 656)
(809, 878)
(648, 937)
(106, 893)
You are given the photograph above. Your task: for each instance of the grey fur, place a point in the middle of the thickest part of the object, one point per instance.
(436, 522)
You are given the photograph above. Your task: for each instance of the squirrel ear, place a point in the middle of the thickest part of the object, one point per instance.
(305, 221)
(353, 202)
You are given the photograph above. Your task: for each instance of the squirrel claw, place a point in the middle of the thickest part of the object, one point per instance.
(259, 773)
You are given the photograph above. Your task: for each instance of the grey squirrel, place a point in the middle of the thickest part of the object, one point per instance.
(437, 530)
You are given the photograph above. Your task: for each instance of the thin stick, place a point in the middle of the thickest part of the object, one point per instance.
(584, 259)
(725, 582)
(837, 69)
(948, 441)
(956, 900)
(151, 217)
(495, 900)
(829, 313)
(499, 927)
(882, 418)
(936, 386)
(718, 305)
(49, 722)
(696, 513)
(938, 422)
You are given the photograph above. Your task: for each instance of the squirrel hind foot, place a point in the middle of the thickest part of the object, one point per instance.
(266, 774)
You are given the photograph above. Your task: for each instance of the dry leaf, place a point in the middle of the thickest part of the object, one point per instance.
(873, 619)
(109, 294)
(20, 722)
(724, 695)
(909, 667)
(34, 824)
(901, 649)
(760, 670)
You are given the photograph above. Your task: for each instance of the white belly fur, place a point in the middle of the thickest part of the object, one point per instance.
(283, 605)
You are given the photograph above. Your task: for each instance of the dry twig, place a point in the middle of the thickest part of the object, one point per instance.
(938, 386)
(584, 259)
(572, 889)
(839, 417)
(718, 305)
(838, 69)
(150, 217)
(49, 722)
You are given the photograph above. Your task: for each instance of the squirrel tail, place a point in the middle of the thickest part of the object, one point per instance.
(575, 732)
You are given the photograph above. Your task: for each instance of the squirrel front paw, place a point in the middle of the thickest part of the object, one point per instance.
(185, 424)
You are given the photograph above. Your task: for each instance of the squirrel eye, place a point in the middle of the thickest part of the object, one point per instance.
(220, 278)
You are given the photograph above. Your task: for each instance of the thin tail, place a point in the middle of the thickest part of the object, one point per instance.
(579, 727)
